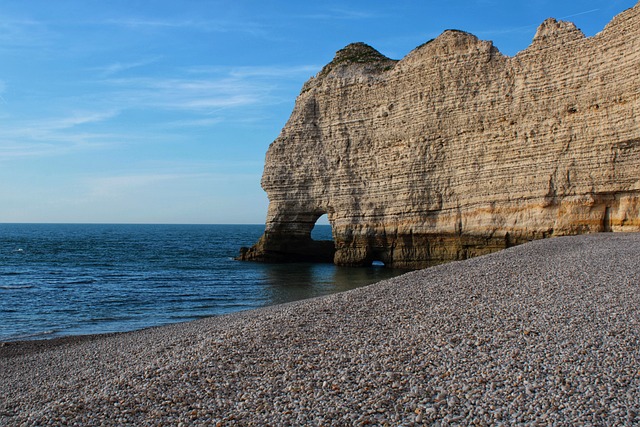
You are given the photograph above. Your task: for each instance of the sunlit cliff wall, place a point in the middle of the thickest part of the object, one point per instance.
(457, 150)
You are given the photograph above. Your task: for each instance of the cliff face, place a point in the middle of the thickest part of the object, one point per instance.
(458, 150)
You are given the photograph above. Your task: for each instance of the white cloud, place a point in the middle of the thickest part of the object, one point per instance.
(170, 181)
(219, 26)
(173, 196)
(79, 118)
(53, 136)
(199, 96)
(274, 71)
(55, 145)
(3, 88)
(117, 185)
(118, 67)
(203, 96)
(212, 88)
(12, 149)
(205, 122)
(23, 33)
(142, 23)
(340, 14)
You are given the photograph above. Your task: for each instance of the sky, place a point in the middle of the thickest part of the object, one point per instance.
(158, 111)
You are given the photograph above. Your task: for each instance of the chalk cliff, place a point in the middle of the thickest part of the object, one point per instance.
(457, 150)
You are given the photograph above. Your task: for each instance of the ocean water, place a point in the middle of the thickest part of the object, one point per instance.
(73, 279)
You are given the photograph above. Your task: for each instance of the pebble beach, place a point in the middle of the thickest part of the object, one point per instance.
(546, 333)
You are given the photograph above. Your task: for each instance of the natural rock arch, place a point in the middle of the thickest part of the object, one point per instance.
(289, 240)
(457, 150)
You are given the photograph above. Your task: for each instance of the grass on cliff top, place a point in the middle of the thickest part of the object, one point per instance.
(360, 53)
(356, 53)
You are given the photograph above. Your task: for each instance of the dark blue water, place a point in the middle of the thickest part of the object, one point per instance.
(72, 279)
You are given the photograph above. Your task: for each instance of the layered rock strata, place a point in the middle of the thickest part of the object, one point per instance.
(457, 150)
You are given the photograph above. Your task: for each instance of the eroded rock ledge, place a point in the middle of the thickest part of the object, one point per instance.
(457, 150)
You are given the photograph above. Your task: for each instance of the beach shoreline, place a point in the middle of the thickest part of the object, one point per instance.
(546, 332)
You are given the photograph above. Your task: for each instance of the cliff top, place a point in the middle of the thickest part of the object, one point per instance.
(357, 53)
(365, 57)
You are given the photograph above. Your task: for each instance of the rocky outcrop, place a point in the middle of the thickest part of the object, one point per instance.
(457, 150)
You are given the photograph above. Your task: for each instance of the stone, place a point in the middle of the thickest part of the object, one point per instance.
(458, 150)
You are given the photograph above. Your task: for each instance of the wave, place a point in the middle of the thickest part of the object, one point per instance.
(110, 319)
(15, 287)
(80, 282)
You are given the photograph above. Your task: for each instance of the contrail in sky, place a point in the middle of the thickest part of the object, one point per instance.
(580, 13)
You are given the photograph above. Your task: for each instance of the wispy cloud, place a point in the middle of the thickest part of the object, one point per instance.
(274, 72)
(10, 150)
(3, 88)
(78, 118)
(209, 26)
(202, 97)
(193, 123)
(339, 14)
(23, 34)
(53, 136)
(114, 185)
(24, 147)
(255, 74)
(149, 23)
(184, 94)
(118, 67)
(121, 185)
(203, 89)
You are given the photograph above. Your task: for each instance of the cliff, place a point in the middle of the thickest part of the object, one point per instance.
(457, 150)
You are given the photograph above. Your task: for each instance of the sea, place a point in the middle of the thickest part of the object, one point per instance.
(74, 279)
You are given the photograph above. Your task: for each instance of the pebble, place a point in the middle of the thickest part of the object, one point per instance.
(546, 333)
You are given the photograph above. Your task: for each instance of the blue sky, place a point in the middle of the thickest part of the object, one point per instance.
(144, 111)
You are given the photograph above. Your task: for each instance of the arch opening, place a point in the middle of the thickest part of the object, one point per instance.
(321, 243)
(322, 230)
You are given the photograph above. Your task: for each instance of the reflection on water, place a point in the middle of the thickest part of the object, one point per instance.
(282, 283)
(291, 282)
